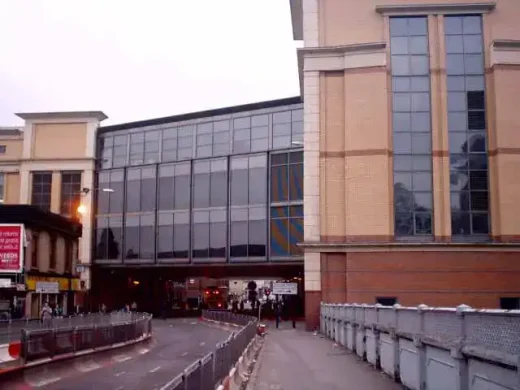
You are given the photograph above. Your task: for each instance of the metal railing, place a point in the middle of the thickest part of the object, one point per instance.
(10, 330)
(65, 336)
(447, 348)
(208, 372)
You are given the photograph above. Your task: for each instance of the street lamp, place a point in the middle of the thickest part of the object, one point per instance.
(82, 209)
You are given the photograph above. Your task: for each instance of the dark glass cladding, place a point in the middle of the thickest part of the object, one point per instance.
(41, 190)
(167, 207)
(413, 195)
(467, 126)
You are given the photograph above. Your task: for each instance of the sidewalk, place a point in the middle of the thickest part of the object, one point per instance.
(292, 359)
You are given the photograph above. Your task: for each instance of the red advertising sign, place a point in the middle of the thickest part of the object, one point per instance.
(11, 248)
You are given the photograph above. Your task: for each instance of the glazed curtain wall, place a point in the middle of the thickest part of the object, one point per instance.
(243, 208)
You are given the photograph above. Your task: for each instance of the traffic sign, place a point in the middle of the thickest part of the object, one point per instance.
(285, 288)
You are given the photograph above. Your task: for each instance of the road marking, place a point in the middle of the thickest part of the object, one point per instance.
(120, 373)
(155, 369)
(193, 323)
(121, 358)
(142, 351)
(119, 388)
(89, 366)
(202, 344)
(47, 381)
(184, 354)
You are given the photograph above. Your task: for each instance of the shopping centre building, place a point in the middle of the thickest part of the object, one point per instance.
(411, 151)
(391, 180)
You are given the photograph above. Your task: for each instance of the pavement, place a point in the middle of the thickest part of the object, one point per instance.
(175, 345)
(293, 359)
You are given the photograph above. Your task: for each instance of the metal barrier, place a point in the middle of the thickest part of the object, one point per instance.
(424, 347)
(206, 373)
(51, 342)
(10, 330)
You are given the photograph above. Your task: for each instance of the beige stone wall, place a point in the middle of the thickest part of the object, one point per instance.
(59, 140)
(13, 149)
(11, 188)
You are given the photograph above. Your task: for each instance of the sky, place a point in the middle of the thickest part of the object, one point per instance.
(136, 60)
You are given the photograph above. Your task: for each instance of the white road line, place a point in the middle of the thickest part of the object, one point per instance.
(184, 354)
(202, 344)
(47, 381)
(120, 373)
(121, 358)
(193, 323)
(119, 388)
(142, 351)
(89, 366)
(155, 369)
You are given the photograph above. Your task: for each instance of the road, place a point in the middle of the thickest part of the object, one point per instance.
(176, 344)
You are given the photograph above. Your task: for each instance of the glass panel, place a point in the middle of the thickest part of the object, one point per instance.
(279, 237)
(295, 235)
(257, 238)
(279, 184)
(296, 182)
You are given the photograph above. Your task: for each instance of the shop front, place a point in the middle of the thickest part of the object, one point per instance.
(57, 291)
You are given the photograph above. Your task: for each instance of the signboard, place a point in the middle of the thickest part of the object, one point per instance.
(80, 268)
(32, 282)
(285, 288)
(47, 287)
(11, 248)
(6, 283)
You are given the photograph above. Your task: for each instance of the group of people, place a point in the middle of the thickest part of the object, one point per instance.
(48, 312)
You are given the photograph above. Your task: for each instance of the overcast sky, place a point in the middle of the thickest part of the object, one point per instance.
(136, 60)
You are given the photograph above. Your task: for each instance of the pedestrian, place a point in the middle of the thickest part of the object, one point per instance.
(133, 307)
(46, 315)
(277, 312)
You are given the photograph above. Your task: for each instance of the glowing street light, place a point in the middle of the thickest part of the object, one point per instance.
(82, 209)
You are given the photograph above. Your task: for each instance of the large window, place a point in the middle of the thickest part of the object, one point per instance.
(287, 129)
(144, 148)
(111, 202)
(41, 190)
(248, 180)
(109, 232)
(70, 193)
(210, 183)
(467, 126)
(140, 189)
(113, 151)
(286, 230)
(248, 233)
(412, 137)
(140, 237)
(173, 237)
(286, 177)
(209, 235)
(286, 214)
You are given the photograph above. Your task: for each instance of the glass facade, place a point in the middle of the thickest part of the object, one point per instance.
(226, 188)
(467, 126)
(412, 135)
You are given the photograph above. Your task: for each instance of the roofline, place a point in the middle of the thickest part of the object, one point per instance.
(202, 114)
(99, 115)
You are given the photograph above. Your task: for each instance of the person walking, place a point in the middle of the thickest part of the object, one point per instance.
(278, 313)
(46, 315)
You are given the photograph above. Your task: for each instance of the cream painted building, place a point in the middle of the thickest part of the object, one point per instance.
(49, 162)
(411, 151)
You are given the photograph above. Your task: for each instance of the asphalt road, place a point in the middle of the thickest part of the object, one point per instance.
(176, 344)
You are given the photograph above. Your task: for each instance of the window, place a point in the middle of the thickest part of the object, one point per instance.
(467, 126)
(140, 189)
(287, 177)
(52, 252)
(110, 202)
(210, 183)
(248, 180)
(510, 303)
(242, 135)
(34, 250)
(386, 301)
(3, 149)
(412, 137)
(185, 142)
(140, 237)
(70, 193)
(108, 238)
(209, 235)
(2, 187)
(173, 237)
(41, 190)
(248, 233)
(113, 151)
(286, 231)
